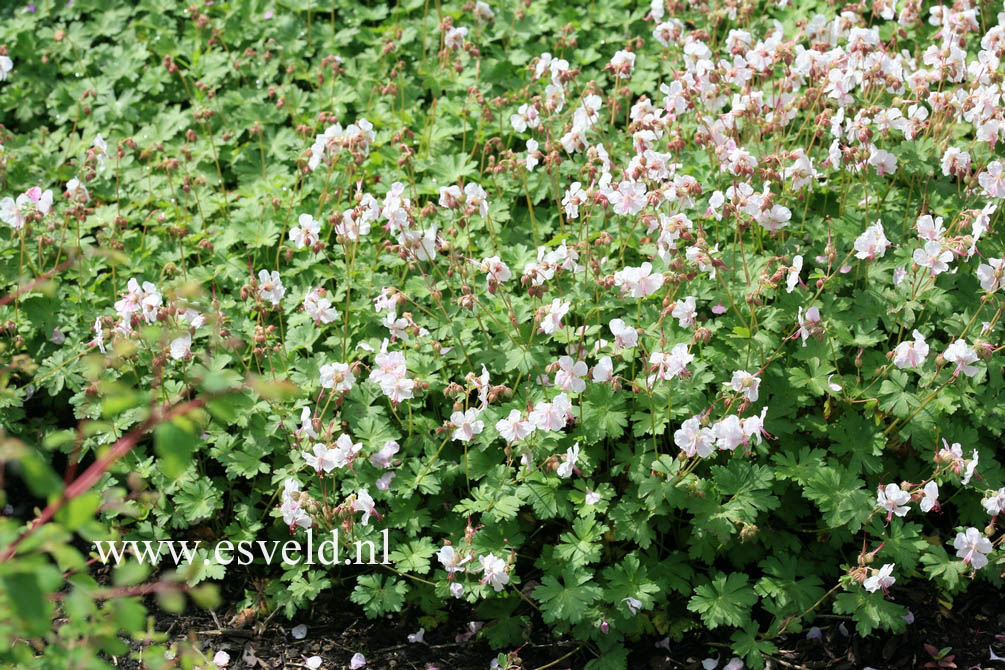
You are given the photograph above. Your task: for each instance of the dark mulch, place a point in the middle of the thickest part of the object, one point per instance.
(337, 630)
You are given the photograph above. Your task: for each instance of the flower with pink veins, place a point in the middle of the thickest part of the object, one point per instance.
(365, 504)
(883, 579)
(973, 548)
(552, 320)
(514, 427)
(993, 180)
(639, 282)
(625, 337)
(466, 424)
(911, 354)
(962, 354)
(894, 500)
(872, 243)
(569, 376)
(629, 198)
(684, 311)
(745, 383)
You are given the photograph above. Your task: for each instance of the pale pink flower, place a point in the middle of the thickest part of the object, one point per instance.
(911, 354)
(894, 500)
(882, 579)
(466, 424)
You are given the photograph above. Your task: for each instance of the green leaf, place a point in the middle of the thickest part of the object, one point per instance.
(174, 442)
(27, 599)
(378, 594)
(567, 599)
(727, 599)
(871, 611)
(79, 510)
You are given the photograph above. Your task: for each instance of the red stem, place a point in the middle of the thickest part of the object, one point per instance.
(91, 475)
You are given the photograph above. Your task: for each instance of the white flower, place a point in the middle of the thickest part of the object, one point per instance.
(6, 65)
(357, 661)
(495, 571)
(633, 604)
(345, 450)
(629, 198)
(745, 383)
(603, 370)
(552, 320)
(270, 286)
(422, 243)
(483, 12)
(319, 308)
(592, 497)
(337, 376)
(996, 503)
(322, 459)
(307, 424)
(973, 548)
(574, 197)
(894, 500)
(477, 198)
(808, 324)
(881, 580)
(792, 278)
(382, 459)
(99, 336)
(454, 39)
(729, 433)
(930, 500)
(933, 257)
(76, 191)
(293, 513)
(532, 156)
(993, 180)
(884, 161)
(384, 481)
(625, 337)
(569, 376)
(181, 347)
(299, 632)
(693, 439)
(666, 366)
(568, 466)
(451, 560)
(734, 664)
(963, 355)
(623, 63)
(929, 228)
(911, 354)
(417, 636)
(306, 233)
(514, 428)
(872, 243)
(495, 270)
(466, 424)
(221, 658)
(638, 282)
(365, 504)
(971, 468)
(526, 117)
(684, 311)
(955, 162)
(990, 274)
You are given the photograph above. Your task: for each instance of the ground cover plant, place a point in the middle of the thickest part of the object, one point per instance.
(619, 324)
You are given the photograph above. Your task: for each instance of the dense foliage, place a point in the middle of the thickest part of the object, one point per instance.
(622, 322)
